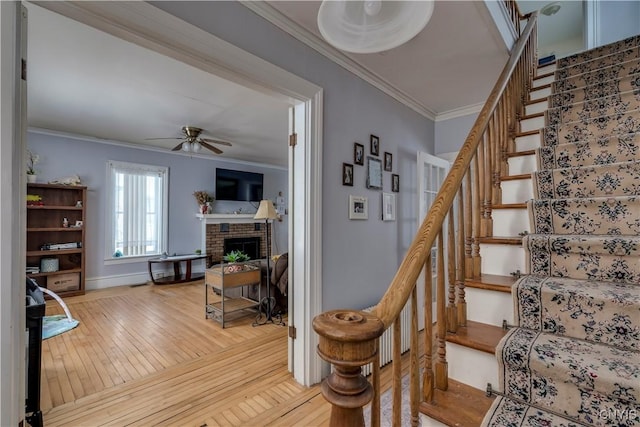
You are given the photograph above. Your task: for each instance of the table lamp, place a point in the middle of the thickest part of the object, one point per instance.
(266, 211)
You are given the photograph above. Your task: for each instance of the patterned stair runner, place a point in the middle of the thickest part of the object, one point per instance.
(573, 357)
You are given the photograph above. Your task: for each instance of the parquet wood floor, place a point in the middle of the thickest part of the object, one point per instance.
(146, 355)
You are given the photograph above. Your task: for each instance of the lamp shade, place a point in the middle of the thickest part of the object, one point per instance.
(266, 210)
(374, 25)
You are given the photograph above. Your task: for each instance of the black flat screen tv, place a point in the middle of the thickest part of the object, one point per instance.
(238, 185)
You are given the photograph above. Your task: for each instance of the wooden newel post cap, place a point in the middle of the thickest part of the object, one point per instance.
(347, 337)
(348, 340)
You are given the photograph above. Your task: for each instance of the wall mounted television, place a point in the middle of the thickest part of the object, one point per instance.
(238, 186)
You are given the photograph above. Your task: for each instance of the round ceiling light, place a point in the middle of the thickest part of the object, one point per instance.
(551, 9)
(373, 25)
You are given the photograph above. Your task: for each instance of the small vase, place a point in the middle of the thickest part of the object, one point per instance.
(203, 209)
(31, 178)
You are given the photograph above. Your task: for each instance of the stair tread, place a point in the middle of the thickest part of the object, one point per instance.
(527, 133)
(515, 177)
(532, 116)
(491, 282)
(542, 76)
(479, 336)
(546, 86)
(447, 408)
(521, 153)
(510, 206)
(509, 240)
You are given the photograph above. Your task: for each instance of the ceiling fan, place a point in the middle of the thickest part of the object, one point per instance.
(193, 143)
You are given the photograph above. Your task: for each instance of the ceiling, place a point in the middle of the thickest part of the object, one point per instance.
(86, 82)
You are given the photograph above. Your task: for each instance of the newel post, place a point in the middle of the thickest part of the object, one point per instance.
(348, 340)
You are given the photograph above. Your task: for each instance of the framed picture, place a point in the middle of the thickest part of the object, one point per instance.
(388, 161)
(78, 224)
(375, 145)
(347, 174)
(358, 207)
(395, 183)
(358, 154)
(388, 207)
(374, 173)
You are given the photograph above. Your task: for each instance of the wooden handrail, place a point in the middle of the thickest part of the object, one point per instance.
(403, 282)
(350, 338)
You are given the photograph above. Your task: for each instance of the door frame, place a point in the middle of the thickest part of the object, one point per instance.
(151, 27)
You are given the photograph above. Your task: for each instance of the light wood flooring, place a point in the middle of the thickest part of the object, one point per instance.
(146, 355)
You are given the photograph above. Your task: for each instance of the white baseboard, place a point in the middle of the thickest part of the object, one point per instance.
(93, 283)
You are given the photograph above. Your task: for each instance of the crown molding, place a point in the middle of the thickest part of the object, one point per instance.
(277, 18)
(86, 138)
(460, 112)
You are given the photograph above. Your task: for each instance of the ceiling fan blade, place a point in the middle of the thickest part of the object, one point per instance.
(154, 139)
(177, 147)
(216, 141)
(210, 147)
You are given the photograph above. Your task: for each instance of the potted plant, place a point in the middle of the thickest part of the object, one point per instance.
(234, 258)
(32, 161)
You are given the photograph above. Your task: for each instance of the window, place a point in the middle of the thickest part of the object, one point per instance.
(136, 210)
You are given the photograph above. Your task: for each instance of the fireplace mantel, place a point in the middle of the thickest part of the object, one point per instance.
(212, 219)
(226, 218)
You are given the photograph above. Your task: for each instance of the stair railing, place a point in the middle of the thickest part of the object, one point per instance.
(349, 339)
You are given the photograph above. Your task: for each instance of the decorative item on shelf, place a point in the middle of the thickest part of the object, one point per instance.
(34, 200)
(65, 222)
(205, 201)
(267, 211)
(32, 161)
(67, 180)
(235, 258)
(49, 265)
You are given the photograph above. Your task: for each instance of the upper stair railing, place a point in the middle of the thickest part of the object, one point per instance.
(349, 339)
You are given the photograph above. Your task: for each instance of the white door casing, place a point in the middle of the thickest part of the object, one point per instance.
(150, 27)
(432, 171)
(13, 112)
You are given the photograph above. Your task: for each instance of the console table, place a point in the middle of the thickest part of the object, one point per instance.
(177, 277)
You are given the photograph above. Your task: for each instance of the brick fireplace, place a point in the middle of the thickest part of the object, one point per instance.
(216, 235)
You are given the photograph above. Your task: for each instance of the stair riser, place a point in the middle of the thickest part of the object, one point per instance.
(540, 93)
(522, 164)
(529, 142)
(510, 222)
(501, 259)
(538, 107)
(542, 81)
(516, 191)
(490, 307)
(471, 367)
(532, 124)
(546, 69)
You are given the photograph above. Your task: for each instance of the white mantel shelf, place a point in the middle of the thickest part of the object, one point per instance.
(227, 218)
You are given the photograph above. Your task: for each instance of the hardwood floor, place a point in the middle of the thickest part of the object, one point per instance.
(147, 356)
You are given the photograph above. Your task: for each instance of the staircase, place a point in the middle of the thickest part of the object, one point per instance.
(572, 357)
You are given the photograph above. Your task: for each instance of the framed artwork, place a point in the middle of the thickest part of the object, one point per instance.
(388, 161)
(388, 207)
(358, 207)
(375, 145)
(395, 183)
(358, 154)
(347, 174)
(374, 173)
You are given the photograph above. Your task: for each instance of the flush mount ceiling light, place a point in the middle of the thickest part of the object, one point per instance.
(551, 9)
(372, 26)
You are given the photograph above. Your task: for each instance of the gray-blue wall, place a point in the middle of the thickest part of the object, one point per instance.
(450, 134)
(359, 257)
(618, 20)
(62, 156)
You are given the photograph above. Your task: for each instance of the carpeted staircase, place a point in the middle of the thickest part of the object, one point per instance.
(573, 357)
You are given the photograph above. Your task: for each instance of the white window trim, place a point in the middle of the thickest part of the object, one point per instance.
(109, 259)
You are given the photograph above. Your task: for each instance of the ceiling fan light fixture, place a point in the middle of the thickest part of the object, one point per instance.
(372, 25)
(195, 147)
(186, 146)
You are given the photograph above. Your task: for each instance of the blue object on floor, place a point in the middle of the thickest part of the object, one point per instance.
(55, 325)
